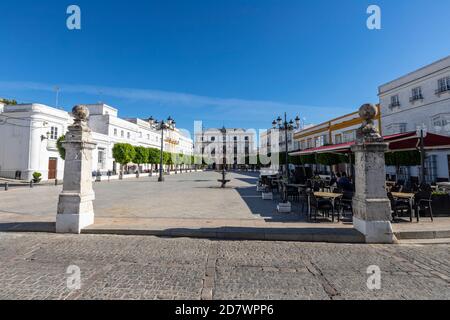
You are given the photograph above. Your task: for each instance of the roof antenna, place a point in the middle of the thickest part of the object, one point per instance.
(57, 96)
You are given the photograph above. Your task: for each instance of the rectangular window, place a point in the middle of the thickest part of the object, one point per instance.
(338, 139)
(54, 133)
(437, 122)
(397, 128)
(443, 85)
(349, 136)
(395, 101)
(101, 158)
(441, 122)
(303, 145)
(115, 132)
(319, 141)
(416, 94)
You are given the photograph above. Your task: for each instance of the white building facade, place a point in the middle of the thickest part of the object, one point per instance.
(29, 133)
(420, 99)
(235, 145)
(274, 140)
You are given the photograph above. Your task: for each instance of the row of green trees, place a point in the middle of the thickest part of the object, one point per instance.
(125, 153)
(8, 101)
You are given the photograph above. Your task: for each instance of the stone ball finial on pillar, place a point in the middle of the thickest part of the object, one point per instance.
(368, 132)
(80, 113)
(368, 111)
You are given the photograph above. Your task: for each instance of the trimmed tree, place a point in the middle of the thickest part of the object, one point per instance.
(59, 146)
(8, 101)
(168, 159)
(140, 156)
(123, 153)
(180, 160)
(154, 156)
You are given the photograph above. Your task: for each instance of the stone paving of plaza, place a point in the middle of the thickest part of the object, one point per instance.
(188, 204)
(187, 195)
(33, 266)
(189, 201)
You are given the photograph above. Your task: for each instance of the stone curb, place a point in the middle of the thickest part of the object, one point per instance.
(411, 235)
(331, 237)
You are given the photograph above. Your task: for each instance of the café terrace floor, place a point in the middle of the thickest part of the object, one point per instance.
(193, 205)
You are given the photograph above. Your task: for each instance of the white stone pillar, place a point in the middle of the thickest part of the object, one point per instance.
(75, 206)
(371, 206)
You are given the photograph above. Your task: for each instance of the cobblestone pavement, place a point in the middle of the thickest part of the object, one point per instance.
(34, 265)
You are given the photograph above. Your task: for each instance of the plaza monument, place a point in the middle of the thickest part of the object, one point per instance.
(75, 206)
(371, 206)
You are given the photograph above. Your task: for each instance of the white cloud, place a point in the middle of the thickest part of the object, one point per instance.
(223, 108)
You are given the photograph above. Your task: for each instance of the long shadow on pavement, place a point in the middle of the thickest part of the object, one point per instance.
(335, 235)
(268, 208)
(27, 227)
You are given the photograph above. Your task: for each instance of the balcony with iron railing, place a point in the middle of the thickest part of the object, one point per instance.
(416, 98)
(395, 104)
(443, 89)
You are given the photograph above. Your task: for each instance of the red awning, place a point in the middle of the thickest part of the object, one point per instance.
(431, 141)
(400, 141)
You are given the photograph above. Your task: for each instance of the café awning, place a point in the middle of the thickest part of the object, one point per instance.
(397, 142)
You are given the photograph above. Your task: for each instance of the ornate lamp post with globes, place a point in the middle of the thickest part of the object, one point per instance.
(162, 125)
(286, 126)
(285, 205)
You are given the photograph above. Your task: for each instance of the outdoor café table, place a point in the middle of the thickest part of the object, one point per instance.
(407, 196)
(326, 195)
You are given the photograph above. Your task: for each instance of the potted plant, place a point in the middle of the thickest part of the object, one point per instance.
(37, 177)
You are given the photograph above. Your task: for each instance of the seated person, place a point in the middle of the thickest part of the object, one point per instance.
(344, 183)
(334, 179)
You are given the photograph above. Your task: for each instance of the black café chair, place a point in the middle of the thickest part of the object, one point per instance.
(292, 193)
(325, 206)
(346, 201)
(302, 199)
(423, 202)
(399, 206)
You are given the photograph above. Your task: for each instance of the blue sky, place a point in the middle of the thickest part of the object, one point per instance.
(226, 62)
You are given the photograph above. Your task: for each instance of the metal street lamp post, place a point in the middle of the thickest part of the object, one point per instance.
(163, 125)
(422, 133)
(224, 181)
(286, 126)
